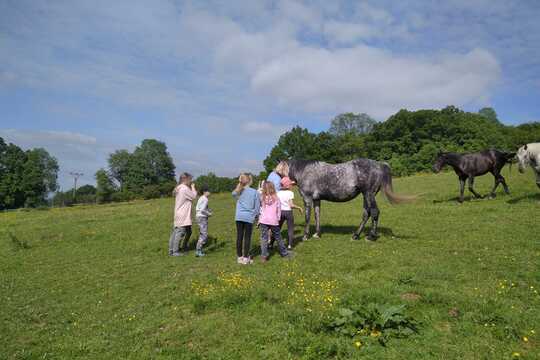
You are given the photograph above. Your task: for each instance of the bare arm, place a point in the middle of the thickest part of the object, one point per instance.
(293, 206)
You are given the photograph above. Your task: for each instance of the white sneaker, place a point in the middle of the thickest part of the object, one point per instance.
(240, 260)
(248, 261)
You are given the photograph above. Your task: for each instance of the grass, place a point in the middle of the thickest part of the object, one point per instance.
(94, 282)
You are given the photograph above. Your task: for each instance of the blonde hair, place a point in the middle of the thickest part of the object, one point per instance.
(244, 181)
(282, 168)
(268, 195)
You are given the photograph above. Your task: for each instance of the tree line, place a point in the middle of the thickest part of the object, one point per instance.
(409, 140)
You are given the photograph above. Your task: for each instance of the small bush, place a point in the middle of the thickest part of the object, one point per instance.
(373, 323)
(151, 192)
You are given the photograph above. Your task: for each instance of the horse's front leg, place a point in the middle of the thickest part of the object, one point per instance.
(471, 187)
(317, 207)
(461, 189)
(537, 171)
(308, 203)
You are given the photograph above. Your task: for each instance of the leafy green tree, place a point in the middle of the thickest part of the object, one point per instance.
(150, 164)
(351, 123)
(119, 162)
(489, 113)
(12, 160)
(216, 184)
(297, 143)
(86, 190)
(105, 187)
(40, 175)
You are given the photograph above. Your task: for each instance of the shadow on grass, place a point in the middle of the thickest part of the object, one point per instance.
(212, 244)
(530, 197)
(349, 230)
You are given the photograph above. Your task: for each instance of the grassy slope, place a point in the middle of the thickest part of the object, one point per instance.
(95, 281)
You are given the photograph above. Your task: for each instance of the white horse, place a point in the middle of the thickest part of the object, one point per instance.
(530, 155)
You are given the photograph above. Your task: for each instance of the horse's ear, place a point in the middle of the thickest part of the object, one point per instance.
(525, 147)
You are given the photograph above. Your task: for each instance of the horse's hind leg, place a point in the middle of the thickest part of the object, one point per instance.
(317, 208)
(365, 218)
(503, 182)
(374, 213)
(471, 187)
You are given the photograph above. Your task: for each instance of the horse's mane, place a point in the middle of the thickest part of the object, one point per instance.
(298, 166)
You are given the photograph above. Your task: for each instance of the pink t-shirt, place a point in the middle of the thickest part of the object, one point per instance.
(270, 211)
(182, 205)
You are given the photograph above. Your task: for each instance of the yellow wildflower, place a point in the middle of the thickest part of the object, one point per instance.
(525, 339)
(358, 344)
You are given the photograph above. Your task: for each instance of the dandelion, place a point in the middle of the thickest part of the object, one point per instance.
(525, 339)
(358, 344)
(533, 332)
(375, 333)
(516, 354)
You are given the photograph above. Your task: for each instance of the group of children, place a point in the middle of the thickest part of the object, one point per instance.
(270, 207)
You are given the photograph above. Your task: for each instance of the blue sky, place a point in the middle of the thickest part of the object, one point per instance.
(218, 81)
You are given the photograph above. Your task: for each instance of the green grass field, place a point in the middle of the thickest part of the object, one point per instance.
(96, 282)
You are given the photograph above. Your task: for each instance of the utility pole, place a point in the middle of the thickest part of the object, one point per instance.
(76, 177)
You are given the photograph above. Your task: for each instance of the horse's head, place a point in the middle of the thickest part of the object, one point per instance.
(523, 158)
(440, 162)
(282, 168)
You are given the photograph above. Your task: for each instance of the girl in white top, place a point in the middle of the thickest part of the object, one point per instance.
(286, 197)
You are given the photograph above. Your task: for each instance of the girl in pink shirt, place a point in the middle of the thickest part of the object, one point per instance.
(269, 217)
(185, 193)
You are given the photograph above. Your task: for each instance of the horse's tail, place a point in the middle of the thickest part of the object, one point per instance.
(388, 189)
(509, 157)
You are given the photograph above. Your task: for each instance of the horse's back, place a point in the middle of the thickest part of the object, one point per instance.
(336, 182)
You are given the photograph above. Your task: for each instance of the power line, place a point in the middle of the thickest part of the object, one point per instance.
(76, 176)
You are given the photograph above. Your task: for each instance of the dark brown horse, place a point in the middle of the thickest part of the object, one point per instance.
(468, 166)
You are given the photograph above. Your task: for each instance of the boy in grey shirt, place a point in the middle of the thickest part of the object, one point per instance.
(203, 212)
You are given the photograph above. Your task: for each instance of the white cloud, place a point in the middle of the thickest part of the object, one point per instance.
(375, 81)
(262, 128)
(347, 33)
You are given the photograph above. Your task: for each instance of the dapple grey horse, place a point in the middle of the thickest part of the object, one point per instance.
(318, 181)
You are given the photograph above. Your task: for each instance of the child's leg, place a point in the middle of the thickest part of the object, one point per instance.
(281, 246)
(174, 241)
(265, 229)
(239, 237)
(290, 228)
(203, 232)
(248, 229)
(185, 234)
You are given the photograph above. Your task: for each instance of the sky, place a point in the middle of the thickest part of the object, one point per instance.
(219, 81)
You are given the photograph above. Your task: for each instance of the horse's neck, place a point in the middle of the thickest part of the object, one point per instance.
(533, 150)
(453, 160)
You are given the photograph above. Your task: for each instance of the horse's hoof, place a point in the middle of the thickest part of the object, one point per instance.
(371, 238)
(305, 238)
(355, 237)
(316, 236)
(492, 196)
